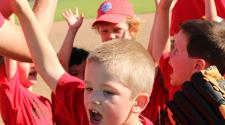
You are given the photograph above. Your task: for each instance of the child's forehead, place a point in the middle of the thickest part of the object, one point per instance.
(112, 84)
(104, 23)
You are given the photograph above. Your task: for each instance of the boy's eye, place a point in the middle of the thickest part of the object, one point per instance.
(117, 30)
(104, 31)
(88, 89)
(108, 93)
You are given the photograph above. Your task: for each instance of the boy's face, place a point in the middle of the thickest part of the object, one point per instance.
(183, 66)
(109, 31)
(78, 70)
(27, 73)
(107, 101)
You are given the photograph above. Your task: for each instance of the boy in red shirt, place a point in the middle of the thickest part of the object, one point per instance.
(160, 47)
(115, 90)
(18, 105)
(115, 19)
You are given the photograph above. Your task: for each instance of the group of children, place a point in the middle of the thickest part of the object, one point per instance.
(116, 83)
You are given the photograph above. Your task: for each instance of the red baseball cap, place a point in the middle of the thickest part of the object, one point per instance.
(114, 11)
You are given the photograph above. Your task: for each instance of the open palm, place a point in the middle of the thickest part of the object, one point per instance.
(74, 21)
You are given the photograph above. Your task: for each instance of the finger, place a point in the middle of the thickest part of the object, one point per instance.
(82, 15)
(70, 12)
(77, 13)
(66, 13)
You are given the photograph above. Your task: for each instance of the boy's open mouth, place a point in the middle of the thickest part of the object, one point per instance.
(95, 116)
(32, 75)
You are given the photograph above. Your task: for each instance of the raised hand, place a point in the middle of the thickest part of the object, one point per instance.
(74, 21)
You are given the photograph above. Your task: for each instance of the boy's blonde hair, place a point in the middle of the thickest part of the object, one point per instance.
(133, 25)
(128, 61)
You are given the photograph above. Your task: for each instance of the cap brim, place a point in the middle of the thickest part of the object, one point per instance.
(111, 18)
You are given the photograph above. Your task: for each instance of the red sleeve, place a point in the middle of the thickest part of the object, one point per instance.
(1, 20)
(5, 8)
(70, 92)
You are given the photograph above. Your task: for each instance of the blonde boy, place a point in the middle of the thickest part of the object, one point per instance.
(117, 85)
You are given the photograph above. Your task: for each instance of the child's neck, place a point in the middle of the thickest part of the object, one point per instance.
(133, 120)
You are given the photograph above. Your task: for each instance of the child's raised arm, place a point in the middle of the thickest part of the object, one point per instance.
(12, 41)
(43, 55)
(74, 22)
(159, 37)
(210, 10)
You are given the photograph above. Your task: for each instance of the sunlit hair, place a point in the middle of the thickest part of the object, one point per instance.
(128, 61)
(133, 24)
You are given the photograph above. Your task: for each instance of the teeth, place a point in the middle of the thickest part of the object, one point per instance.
(95, 116)
(94, 111)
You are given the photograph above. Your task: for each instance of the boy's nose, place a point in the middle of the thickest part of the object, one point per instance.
(95, 98)
(112, 36)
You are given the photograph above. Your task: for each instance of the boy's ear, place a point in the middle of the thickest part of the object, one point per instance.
(141, 102)
(200, 65)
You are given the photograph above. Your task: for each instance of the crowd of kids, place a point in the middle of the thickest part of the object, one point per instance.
(118, 82)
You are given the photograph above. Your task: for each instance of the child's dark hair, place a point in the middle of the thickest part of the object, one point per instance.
(206, 40)
(78, 55)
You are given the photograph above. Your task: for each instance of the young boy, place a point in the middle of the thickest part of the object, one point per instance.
(159, 47)
(116, 19)
(115, 92)
(18, 105)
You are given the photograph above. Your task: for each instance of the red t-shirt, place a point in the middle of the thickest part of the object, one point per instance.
(19, 106)
(191, 9)
(69, 94)
(1, 20)
(162, 91)
(5, 8)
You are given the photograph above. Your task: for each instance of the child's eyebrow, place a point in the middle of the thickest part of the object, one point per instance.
(87, 82)
(114, 88)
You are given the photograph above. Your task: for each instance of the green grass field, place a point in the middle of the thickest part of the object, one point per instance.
(89, 7)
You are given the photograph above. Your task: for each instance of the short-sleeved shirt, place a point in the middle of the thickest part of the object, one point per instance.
(5, 10)
(191, 9)
(162, 91)
(1, 20)
(19, 106)
(70, 94)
